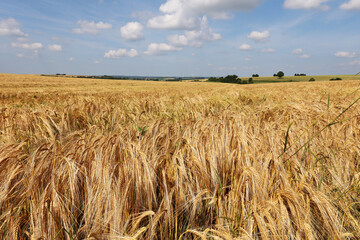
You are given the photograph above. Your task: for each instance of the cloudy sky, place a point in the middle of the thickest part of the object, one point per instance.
(180, 37)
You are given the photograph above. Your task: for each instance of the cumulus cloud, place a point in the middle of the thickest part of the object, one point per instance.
(245, 47)
(343, 54)
(174, 21)
(259, 36)
(297, 51)
(55, 48)
(306, 4)
(268, 50)
(11, 27)
(195, 38)
(351, 5)
(28, 46)
(91, 27)
(114, 54)
(132, 31)
(300, 52)
(184, 14)
(160, 49)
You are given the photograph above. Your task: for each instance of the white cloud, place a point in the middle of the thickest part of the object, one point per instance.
(91, 27)
(268, 50)
(297, 51)
(97, 62)
(55, 48)
(259, 36)
(305, 56)
(245, 47)
(114, 54)
(306, 4)
(351, 5)
(10, 27)
(174, 21)
(343, 54)
(195, 38)
(160, 49)
(132, 31)
(20, 55)
(300, 52)
(29, 46)
(71, 59)
(184, 14)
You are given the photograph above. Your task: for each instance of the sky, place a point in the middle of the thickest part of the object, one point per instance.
(180, 37)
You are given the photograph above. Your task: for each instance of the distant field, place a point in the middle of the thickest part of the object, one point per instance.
(115, 159)
(303, 78)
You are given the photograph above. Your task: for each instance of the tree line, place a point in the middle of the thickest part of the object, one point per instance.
(231, 79)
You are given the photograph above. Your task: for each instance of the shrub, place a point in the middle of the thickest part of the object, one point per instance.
(251, 80)
(336, 79)
(312, 80)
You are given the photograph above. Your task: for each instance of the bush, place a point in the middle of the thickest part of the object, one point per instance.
(244, 82)
(312, 80)
(336, 79)
(251, 80)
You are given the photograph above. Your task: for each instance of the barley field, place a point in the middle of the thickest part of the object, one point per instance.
(103, 159)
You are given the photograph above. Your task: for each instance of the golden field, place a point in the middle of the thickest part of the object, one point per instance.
(105, 159)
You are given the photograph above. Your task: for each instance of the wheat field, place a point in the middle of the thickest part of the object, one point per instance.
(102, 159)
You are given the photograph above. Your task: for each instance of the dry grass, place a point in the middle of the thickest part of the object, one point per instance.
(98, 159)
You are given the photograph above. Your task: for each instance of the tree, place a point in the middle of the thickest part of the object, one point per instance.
(280, 74)
(231, 79)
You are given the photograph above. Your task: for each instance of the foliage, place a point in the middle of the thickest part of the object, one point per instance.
(312, 80)
(280, 74)
(228, 79)
(336, 79)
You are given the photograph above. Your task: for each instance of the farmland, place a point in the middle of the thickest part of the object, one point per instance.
(106, 159)
(304, 78)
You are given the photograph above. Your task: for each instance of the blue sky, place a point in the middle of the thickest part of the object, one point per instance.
(180, 37)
